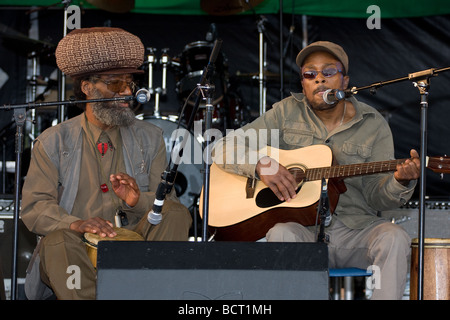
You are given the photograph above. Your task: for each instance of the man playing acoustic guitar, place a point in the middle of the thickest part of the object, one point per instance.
(355, 133)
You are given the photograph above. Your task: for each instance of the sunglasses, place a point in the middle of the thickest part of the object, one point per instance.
(327, 73)
(118, 85)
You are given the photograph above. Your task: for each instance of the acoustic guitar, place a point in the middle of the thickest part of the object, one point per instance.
(244, 209)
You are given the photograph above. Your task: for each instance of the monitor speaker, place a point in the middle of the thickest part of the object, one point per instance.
(212, 271)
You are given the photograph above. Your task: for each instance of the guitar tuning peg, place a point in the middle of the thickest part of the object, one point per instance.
(442, 176)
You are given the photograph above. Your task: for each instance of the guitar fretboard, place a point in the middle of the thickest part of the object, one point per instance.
(349, 170)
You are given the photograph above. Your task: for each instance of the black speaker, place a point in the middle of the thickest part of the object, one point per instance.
(26, 243)
(212, 271)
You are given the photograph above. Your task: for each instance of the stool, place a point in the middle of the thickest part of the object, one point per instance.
(347, 274)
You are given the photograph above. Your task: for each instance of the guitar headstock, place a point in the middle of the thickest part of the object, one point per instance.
(439, 164)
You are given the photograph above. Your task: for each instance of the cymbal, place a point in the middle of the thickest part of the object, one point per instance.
(116, 6)
(26, 46)
(227, 7)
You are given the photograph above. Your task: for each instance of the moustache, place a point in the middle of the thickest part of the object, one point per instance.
(319, 89)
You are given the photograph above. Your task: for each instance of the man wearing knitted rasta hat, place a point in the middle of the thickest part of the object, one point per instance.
(96, 168)
(356, 133)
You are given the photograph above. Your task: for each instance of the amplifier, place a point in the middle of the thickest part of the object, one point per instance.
(436, 221)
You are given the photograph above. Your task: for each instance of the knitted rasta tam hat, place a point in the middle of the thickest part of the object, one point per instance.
(99, 50)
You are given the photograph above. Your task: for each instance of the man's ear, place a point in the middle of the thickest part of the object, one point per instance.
(86, 87)
(345, 82)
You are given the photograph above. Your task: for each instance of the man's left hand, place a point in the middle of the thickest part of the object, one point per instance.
(408, 170)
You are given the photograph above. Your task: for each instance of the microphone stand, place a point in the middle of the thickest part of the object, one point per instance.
(207, 164)
(323, 212)
(421, 80)
(20, 119)
(169, 175)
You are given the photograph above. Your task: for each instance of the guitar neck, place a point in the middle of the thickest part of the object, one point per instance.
(350, 170)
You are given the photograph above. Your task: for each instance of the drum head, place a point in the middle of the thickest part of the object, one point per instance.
(92, 239)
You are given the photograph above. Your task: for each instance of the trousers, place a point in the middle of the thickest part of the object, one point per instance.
(64, 248)
(382, 244)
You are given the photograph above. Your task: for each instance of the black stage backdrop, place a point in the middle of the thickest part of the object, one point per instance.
(400, 47)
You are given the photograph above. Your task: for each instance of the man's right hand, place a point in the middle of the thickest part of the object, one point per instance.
(281, 182)
(96, 225)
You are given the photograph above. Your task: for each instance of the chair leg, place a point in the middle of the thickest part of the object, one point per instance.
(336, 288)
(348, 288)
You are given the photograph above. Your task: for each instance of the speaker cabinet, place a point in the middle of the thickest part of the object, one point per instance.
(26, 243)
(212, 270)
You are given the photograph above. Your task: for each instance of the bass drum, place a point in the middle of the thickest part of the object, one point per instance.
(188, 183)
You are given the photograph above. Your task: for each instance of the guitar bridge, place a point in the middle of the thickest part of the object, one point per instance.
(250, 188)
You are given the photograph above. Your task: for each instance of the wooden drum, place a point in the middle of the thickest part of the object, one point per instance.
(91, 240)
(436, 269)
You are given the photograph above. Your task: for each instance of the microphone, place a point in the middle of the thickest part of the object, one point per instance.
(331, 96)
(215, 52)
(211, 35)
(154, 216)
(142, 96)
(165, 186)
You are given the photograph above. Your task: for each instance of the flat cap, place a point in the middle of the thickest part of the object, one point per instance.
(327, 46)
(99, 50)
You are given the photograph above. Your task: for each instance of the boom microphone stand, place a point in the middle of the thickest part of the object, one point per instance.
(20, 119)
(421, 80)
(169, 175)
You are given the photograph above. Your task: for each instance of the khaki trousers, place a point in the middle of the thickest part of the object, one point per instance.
(382, 244)
(63, 248)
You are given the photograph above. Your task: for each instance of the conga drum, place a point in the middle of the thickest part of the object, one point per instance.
(436, 269)
(91, 240)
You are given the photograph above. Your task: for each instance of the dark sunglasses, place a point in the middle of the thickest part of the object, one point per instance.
(118, 85)
(327, 73)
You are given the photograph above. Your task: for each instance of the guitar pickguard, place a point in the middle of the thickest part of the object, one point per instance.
(266, 198)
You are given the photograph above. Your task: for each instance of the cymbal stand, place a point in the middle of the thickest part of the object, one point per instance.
(164, 62)
(151, 62)
(262, 65)
(61, 75)
(33, 91)
(160, 91)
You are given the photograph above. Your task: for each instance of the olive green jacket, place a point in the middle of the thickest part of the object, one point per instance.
(291, 124)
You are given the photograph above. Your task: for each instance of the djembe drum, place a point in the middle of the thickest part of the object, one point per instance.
(92, 239)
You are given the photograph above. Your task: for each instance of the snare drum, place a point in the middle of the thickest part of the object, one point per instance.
(436, 269)
(91, 240)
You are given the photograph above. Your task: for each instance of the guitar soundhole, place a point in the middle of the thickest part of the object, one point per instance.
(266, 198)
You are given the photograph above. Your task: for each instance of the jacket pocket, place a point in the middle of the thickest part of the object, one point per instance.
(356, 151)
(298, 134)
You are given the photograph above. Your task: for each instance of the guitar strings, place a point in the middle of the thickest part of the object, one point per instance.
(345, 170)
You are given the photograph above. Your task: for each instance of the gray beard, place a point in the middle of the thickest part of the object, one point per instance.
(111, 113)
